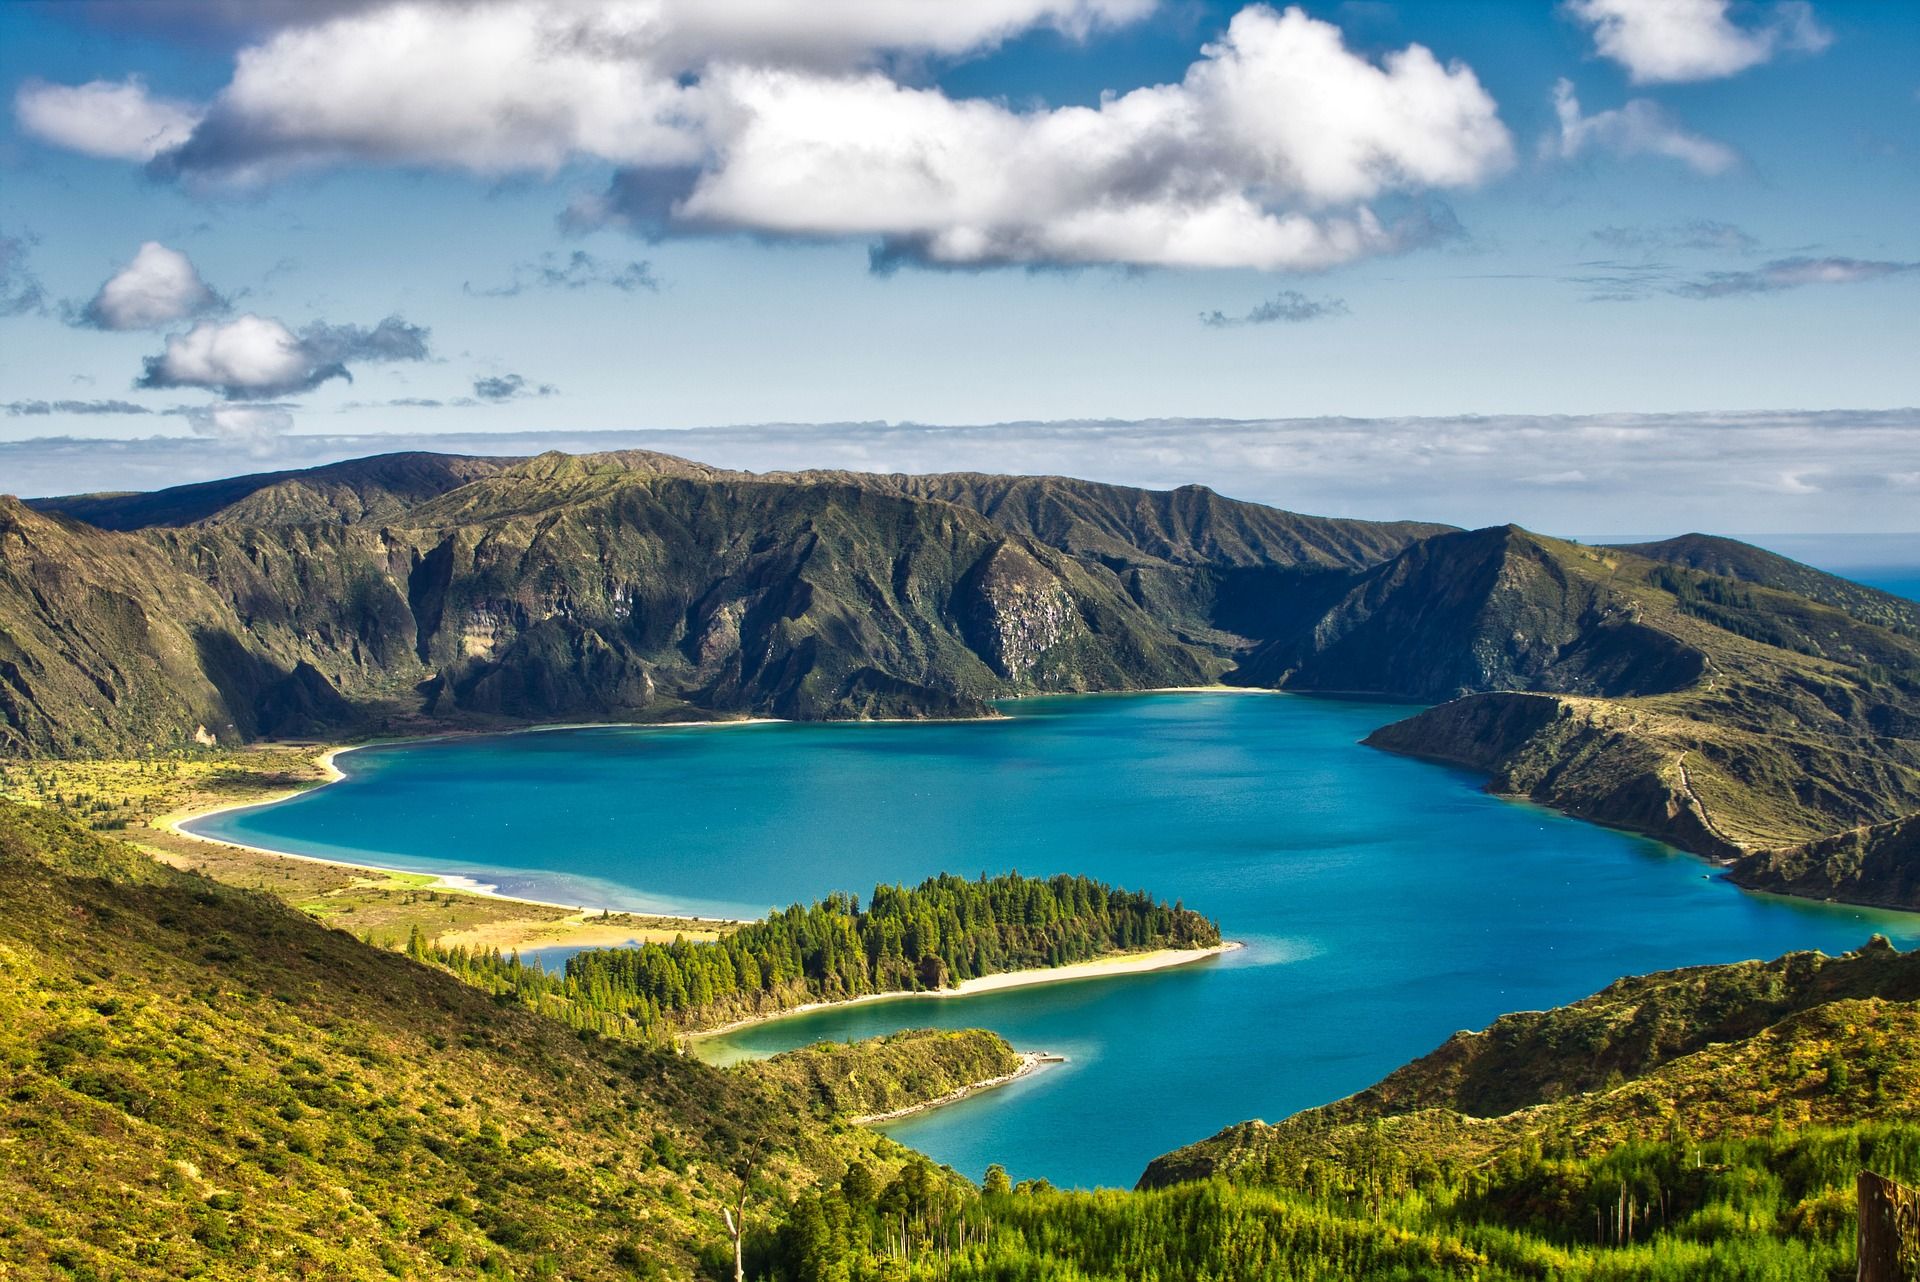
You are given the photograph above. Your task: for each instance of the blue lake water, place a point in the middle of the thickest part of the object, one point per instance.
(1384, 902)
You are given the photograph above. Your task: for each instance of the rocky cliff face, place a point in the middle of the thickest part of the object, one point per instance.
(1017, 613)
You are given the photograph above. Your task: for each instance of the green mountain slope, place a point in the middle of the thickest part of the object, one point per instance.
(1732, 559)
(1729, 718)
(201, 1080)
(377, 488)
(415, 589)
(1710, 1051)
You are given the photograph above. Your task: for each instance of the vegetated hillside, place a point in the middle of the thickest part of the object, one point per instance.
(887, 1074)
(1732, 559)
(200, 1080)
(416, 589)
(1191, 525)
(1711, 1051)
(1727, 717)
(378, 488)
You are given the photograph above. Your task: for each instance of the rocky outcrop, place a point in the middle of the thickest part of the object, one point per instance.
(1016, 612)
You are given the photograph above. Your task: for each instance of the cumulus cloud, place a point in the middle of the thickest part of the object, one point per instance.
(20, 290)
(1666, 41)
(1640, 128)
(117, 120)
(1792, 273)
(577, 270)
(1261, 157)
(157, 287)
(783, 119)
(1289, 306)
(526, 85)
(254, 356)
(507, 387)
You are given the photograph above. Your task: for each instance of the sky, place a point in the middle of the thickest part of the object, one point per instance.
(1604, 265)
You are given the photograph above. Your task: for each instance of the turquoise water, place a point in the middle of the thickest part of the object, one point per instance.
(1384, 902)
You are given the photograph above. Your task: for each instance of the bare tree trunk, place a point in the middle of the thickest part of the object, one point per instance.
(1889, 1230)
(737, 1230)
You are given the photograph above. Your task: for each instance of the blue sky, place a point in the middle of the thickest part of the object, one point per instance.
(409, 219)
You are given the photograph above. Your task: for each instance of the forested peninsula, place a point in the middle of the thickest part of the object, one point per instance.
(943, 932)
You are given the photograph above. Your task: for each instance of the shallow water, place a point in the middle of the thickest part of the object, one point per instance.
(1384, 902)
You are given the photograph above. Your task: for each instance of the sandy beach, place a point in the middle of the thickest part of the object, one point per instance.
(1099, 968)
(445, 882)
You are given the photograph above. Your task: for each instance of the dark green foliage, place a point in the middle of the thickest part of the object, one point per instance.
(942, 932)
(1769, 1208)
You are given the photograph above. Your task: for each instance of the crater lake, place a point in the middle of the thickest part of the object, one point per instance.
(1383, 902)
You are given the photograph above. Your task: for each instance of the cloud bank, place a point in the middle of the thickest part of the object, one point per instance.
(1627, 473)
(790, 120)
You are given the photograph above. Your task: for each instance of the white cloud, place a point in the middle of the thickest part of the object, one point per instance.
(254, 356)
(254, 426)
(1257, 158)
(1665, 41)
(156, 287)
(1640, 128)
(843, 33)
(782, 119)
(526, 85)
(118, 120)
(248, 355)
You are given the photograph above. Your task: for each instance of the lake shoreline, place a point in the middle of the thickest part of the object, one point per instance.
(1105, 967)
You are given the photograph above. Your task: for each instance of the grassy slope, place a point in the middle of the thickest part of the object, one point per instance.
(1733, 559)
(136, 798)
(1710, 1051)
(898, 1071)
(1797, 725)
(198, 1078)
